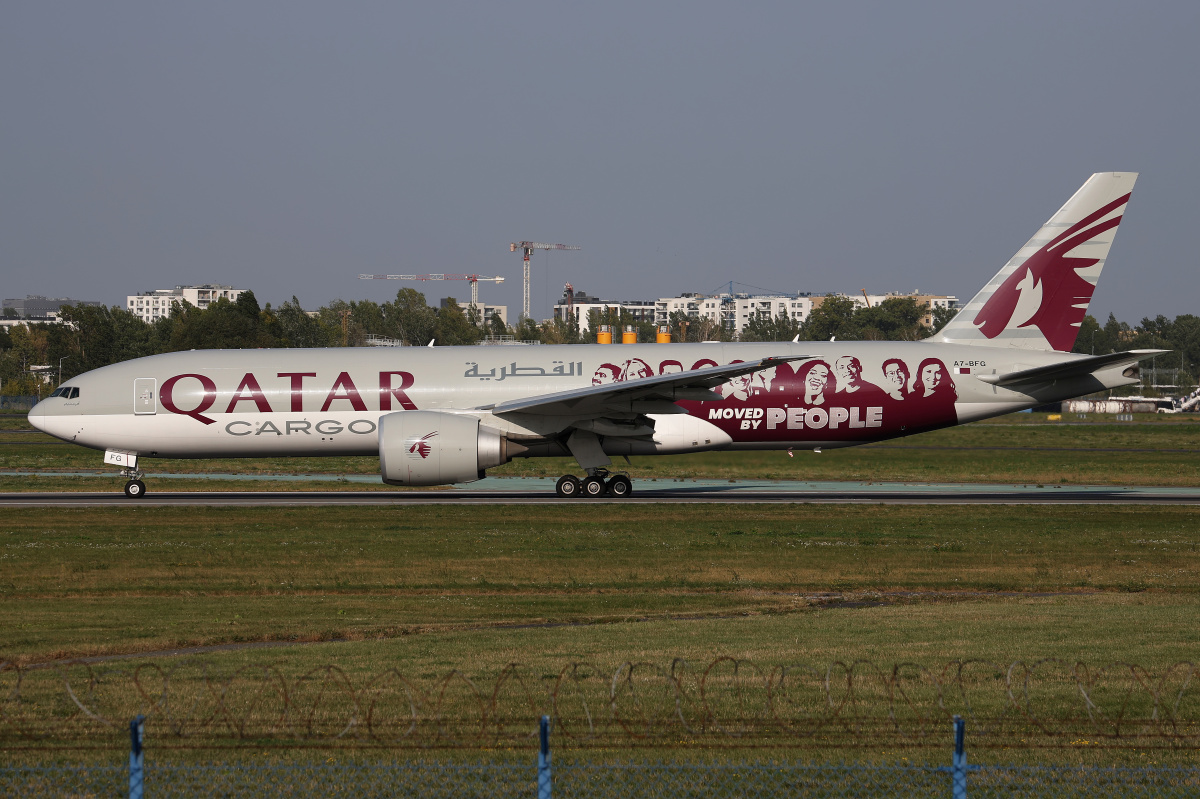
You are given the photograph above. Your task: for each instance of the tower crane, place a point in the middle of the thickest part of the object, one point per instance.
(475, 279)
(528, 247)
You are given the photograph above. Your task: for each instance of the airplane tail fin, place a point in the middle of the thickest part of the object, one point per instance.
(1038, 300)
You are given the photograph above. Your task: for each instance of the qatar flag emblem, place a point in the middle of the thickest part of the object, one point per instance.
(420, 446)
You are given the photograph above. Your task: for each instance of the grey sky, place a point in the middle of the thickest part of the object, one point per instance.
(286, 147)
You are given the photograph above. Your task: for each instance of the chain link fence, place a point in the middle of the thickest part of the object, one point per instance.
(726, 728)
(722, 704)
(18, 402)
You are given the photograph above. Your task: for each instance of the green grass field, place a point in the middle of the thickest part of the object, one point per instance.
(432, 590)
(100, 581)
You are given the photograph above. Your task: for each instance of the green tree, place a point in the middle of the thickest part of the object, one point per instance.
(298, 329)
(30, 347)
(97, 336)
(941, 317)
(496, 326)
(223, 325)
(835, 317)
(771, 328)
(409, 318)
(453, 327)
(894, 319)
(527, 330)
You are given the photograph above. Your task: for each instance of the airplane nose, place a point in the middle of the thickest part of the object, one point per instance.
(37, 416)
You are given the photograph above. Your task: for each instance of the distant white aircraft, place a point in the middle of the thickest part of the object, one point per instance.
(447, 414)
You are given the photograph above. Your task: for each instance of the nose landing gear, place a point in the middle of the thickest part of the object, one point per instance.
(128, 461)
(135, 488)
(594, 485)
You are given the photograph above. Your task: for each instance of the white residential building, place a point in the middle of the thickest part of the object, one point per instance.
(640, 310)
(154, 305)
(734, 311)
(486, 310)
(796, 307)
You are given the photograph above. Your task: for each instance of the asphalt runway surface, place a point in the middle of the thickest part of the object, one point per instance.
(534, 491)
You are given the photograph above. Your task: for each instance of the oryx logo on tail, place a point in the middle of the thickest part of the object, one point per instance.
(1039, 298)
(421, 445)
(1047, 289)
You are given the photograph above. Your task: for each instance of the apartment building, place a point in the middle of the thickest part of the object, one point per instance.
(154, 305)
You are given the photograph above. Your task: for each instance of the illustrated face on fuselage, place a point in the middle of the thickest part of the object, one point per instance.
(848, 369)
(605, 374)
(894, 375)
(816, 380)
(931, 377)
(636, 368)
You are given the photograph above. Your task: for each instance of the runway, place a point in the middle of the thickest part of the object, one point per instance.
(534, 491)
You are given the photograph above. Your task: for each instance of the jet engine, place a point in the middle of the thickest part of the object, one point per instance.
(429, 448)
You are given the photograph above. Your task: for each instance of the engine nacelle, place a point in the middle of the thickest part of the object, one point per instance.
(429, 448)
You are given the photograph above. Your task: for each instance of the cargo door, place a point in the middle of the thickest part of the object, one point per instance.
(145, 399)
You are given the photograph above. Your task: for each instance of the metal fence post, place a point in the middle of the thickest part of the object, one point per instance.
(543, 775)
(137, 732)
(958, 770)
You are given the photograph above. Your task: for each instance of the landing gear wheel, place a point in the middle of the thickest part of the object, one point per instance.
(594, 487)
(135, 489)
(568, 486)
(620, 486)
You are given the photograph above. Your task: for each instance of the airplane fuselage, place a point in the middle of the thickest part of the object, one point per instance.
(259, 403)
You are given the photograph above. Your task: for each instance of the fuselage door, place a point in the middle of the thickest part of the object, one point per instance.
(144, 395)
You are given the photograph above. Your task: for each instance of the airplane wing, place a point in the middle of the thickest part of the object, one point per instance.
(1080, 367)
(646, 395)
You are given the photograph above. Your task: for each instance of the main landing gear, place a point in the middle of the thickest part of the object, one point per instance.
(594, 485)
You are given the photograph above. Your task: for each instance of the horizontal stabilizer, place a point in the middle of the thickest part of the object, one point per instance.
(1080, 367)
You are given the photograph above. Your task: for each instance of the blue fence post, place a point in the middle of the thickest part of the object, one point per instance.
(543, 777)
(958, 770)
(137, 732)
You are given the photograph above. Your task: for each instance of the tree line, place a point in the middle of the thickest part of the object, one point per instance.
(97, 336)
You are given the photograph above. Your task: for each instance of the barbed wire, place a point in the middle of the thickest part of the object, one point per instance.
(724, 702)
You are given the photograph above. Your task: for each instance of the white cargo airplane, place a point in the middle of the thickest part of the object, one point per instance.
(447, 414)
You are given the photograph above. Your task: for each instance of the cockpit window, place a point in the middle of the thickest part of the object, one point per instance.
(60, 392)
(74, 393)
(66, 392)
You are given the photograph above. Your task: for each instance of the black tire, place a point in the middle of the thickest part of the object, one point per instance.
(620, 486)
(594, 487)
(568, 486)
(135, 489)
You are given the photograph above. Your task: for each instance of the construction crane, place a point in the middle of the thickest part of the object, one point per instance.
(528, 247)
(475, 279)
